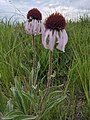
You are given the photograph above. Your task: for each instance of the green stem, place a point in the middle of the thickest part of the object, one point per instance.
(89, 99)
(34, 58)
(34, 52)
(50, 69)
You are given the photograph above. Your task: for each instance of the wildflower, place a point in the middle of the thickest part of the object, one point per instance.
(54, 31)
(33, 27)
(33, 23)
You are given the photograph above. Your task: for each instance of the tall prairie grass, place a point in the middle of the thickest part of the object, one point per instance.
(68, 98)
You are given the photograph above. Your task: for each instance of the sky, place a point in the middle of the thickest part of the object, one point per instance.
(71, 9)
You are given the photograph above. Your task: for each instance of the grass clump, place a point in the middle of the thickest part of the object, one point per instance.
(68, 98)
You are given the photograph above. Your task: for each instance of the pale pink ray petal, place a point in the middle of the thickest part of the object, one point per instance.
(44, 38)
(27, 27)
(31, 28)
(42, 28)
(62, 40)
(52, 39)
(34, 26)
(38, 27)
(57, 36)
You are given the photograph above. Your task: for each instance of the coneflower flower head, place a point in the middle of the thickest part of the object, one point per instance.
(34, 14)
(33, 23)
(54, 29)
(55, 22)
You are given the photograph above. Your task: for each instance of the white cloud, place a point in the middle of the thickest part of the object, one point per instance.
(66, 7)
(81, 4)
(4, 2)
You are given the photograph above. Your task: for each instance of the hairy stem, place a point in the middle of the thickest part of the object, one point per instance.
(34, 58)
(50, 68)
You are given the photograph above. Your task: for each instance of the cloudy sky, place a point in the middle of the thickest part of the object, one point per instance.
(71, 9)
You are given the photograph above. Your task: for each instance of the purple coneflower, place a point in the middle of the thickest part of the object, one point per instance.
(33, 27)
(55, 32)
(33, 23)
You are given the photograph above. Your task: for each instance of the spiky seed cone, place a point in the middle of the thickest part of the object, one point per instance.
(55, 22)
(34, 14)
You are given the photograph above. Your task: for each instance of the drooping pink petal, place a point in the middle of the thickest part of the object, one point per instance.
(31, 28)
(44, 38)
(57, 36)
(62, 40)
(38, 28)
(42, 28)
(27, 27)
(52, 39)
(34, 26)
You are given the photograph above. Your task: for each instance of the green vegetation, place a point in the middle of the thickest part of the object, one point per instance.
(22, 98)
